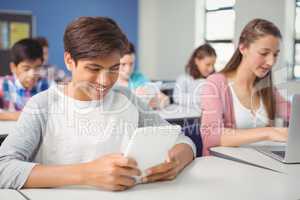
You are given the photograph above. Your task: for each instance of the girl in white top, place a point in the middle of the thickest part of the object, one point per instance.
(200, 65)
(246, 118)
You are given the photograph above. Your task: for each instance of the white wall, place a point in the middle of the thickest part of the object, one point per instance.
(167, 34)
(166, 37)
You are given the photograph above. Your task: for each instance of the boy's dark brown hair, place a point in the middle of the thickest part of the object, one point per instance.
(199, 53)
(42, 41)
(94, 37)
(26, 49)
(130, 49)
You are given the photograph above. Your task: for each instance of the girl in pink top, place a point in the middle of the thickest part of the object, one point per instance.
(248, 78)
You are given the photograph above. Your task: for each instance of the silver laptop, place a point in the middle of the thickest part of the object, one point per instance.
(290, 153)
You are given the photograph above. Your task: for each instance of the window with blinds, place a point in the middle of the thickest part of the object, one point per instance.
(297, 41)
(219, 29)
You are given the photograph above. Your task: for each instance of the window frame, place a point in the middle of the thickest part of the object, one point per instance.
(296, 41)
(216, 41)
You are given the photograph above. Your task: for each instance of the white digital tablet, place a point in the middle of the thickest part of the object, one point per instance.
(149, 146)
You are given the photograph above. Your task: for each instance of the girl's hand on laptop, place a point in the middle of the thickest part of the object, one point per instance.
(111, 172)
(278, 134)
(179, 157)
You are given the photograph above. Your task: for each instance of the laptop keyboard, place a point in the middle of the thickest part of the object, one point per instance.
(279, 153)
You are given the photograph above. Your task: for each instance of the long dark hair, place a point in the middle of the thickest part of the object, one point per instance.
(254, 30)
(199, 53)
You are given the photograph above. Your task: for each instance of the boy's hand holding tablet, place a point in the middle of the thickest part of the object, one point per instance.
(157, 157)
(111, 172)
(178, 157)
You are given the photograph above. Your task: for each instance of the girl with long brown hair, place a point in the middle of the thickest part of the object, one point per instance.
(199, 67)
(240, 104)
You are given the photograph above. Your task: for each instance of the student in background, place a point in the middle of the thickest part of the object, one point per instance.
(73, 133)
(239, 104)
(16, 89)
(48, 71)
(199, 67)
(138, 83)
